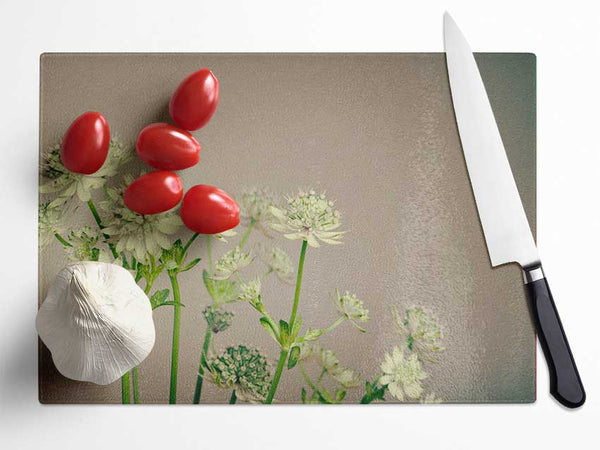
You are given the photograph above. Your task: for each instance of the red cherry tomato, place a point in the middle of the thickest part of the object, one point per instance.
(195, 100)
(209, 210)
(167, 147)
(85, 144)
(154, 192)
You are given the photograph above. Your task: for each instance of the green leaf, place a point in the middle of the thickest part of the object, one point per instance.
(158, 298)
(190, 265)
(339, 395)
(296, 328)
(303, 396)
(284, 332)
(270, 328)
(221, 291)
(311, 335)
(293, 358)
(169, 303)
(373, 392)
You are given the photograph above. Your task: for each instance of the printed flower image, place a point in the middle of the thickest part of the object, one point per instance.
(352, 308)
(243, 370)
(278, 262)
(402, 376)
(421, 331)
(256, 206)
(141, 235)
(308, 216)
(230, 263)
(50, 224)
(58, 179)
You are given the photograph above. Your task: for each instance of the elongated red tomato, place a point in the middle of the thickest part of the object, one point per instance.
(209, 210)
(154, 192)
(195, 100)
(167, 147)
(85, 144)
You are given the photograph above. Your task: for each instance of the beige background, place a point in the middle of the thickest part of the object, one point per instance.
(376, 132)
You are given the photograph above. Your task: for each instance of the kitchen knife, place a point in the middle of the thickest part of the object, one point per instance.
(505, 227)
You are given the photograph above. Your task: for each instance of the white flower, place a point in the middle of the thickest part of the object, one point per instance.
(225, 234)
(231, 262)
(421, 331)
(306, 350)
(242, 369)
(67, 183)
(142, 235)
(347, 378)
(250, 292)
(84, 246)
(352, 308)
(309, 217)
(278, 262)
(49, 223)
(256, 207)
(402, 376)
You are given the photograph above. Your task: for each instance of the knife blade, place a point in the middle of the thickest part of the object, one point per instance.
(505, 227)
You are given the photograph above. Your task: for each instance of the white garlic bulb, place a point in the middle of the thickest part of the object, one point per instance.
(96, 321)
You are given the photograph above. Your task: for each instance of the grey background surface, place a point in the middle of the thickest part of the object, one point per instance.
(377, 132)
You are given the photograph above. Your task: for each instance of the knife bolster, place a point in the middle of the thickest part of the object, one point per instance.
(532, 274)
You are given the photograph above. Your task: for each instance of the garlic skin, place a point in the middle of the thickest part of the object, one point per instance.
(96, 321)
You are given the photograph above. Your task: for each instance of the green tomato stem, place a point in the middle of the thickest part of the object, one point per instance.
(200, 379)
(247, 233)
(175, 342)
(284, 351)
(233, 397)
(125, 390)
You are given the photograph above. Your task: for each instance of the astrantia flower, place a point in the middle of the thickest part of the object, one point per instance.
(242, 369)
(347, 378)
(85, 246)
(402, 376)
(217, 320)
(49, 223)
(250, 292)
(421, 331)
(278, 262)
(231, 262)
(139, 234)
(352, 308)
(67, 183)
(326, 358)
(256, 207)
(309, 217)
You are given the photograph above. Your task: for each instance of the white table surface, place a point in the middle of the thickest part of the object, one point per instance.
(566, 39)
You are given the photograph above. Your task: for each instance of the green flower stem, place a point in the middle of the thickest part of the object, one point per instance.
(307, 378)
(247, 233)
(135, 385)
(285, 351)
(135, 376)
(209, 253)
(62, 240)
(233, 397)
(199, 380)
(298, 284)
(125, 390)
(335, 324)
(94, 211)
(175, 344)
(282, 359)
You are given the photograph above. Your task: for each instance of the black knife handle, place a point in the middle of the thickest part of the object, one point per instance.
(565, 383)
